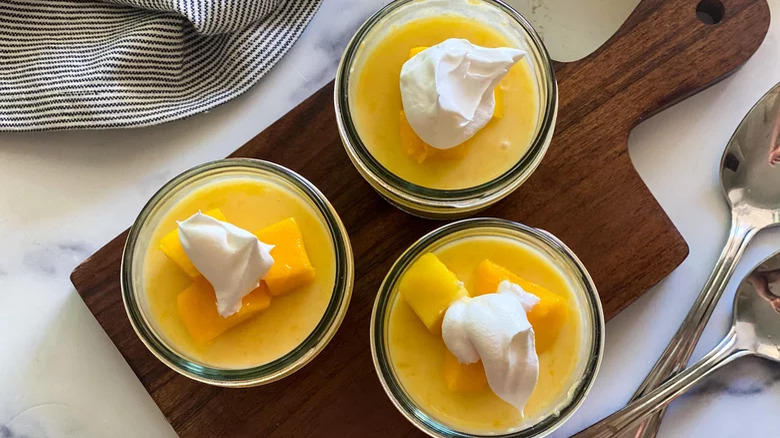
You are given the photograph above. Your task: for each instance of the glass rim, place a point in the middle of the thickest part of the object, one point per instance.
(394, 389)
(299, 356)
(443, 201)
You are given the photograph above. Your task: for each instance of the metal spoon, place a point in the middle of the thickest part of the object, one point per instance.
(750, 176)
(755, 331)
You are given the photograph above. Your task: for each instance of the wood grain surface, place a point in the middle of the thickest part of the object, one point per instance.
(586, 192)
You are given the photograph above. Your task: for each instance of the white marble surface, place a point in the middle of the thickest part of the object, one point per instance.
(62, 195)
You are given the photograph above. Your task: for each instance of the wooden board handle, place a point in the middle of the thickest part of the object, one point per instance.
(641, 75)
(662, 54)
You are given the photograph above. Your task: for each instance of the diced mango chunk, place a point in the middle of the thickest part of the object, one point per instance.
(463, 377)
(415, 50)
(292, 268)
(429, 288)
(197, 307)
(413, 144)
(498, 95)
(419, 150)
(171, 246)
(546, 317)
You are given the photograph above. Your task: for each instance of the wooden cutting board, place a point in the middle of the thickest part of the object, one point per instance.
(586, 192)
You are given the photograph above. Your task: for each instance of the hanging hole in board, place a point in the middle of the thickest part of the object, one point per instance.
(710, 11)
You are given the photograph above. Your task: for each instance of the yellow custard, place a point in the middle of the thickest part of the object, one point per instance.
(376, 105)
(252, 204)
(418, 355)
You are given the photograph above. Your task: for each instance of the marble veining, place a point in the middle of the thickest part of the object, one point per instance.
(61, 376)
(40, 260)
(745, 377)
(48, 259)
(77, 249)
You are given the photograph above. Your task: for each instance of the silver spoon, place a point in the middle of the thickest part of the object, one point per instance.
(750, 176)
(755, 331)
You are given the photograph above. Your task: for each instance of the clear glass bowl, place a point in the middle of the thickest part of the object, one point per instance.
(439, 203)
(560, 255)
(139, 239)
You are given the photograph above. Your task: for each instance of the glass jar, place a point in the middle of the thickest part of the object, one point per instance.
(559, 255)
(446, 203)
(139, 239)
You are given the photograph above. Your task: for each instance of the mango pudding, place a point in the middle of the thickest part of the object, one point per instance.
(487, 327)
(241, 273)
(437, 98)
(389, 132)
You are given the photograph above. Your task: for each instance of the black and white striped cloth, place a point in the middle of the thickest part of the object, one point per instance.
(86, 64)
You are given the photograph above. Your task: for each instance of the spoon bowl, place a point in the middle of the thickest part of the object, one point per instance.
(757, 310)
(750, 178)
(755, 331)
(750, 166)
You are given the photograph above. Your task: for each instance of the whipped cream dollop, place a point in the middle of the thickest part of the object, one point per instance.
(494, 328)
(447, 89)
(232, 259)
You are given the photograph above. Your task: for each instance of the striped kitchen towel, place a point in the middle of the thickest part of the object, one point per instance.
(88, 64)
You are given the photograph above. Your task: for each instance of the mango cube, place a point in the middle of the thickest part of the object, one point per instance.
(463, 377)
(197, 307)
(415, 50)
(292, 268)
(419, 150)
(429, 288)
(498, 95)
(546, 317)
(413, 144)
(171, 246)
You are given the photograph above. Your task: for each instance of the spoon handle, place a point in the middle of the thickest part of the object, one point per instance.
(678, 352)
(724, 353)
